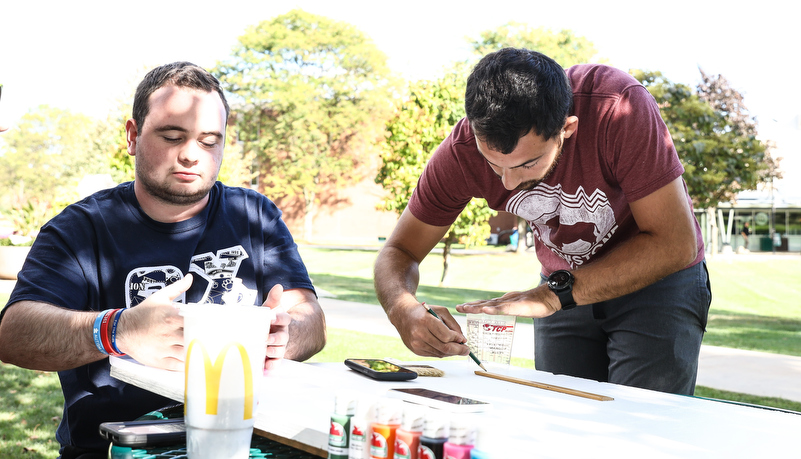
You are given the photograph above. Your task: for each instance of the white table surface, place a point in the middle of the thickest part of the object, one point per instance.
(526, 422)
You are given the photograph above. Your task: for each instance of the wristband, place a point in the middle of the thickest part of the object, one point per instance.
(104, 335)
(117, 351)
(96, 332)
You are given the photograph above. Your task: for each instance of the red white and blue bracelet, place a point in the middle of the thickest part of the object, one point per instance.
(104, 332)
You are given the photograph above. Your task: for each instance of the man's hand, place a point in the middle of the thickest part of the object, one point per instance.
(538, 302)
(153, 331)
(279, 329)
(429, 336)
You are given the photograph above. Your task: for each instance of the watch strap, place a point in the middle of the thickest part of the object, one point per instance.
(566, 298)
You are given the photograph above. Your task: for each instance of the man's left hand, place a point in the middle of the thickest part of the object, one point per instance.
(279, 328)
(538, 302)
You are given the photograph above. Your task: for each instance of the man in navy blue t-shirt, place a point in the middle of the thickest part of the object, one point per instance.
(174, 234)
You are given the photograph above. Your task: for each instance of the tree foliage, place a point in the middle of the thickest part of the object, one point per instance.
(714, 137)
(563, 46)
(310, 95)
(44, 157)
(420, 123)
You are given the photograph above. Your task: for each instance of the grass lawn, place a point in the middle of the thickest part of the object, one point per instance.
(750, 310)
(30, 410)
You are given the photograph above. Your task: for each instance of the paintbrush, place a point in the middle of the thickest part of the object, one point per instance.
(472, 356)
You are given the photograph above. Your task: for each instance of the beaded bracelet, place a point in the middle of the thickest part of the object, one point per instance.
(117, 351)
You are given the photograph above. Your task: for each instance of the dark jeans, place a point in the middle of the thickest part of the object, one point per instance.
(71, 452)
(649, 339)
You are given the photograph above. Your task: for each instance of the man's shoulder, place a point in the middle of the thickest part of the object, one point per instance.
(461, 142)
(599, 79)
(106, 200)
(236, 192)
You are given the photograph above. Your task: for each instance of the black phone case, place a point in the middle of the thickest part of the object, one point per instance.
(111, 431)
(381, 376)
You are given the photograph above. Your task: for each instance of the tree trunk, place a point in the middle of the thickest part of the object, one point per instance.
(522, 225)
(446, 258)
(713, 236)
(308, 215)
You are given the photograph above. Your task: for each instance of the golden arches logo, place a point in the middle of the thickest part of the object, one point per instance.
(213, 372)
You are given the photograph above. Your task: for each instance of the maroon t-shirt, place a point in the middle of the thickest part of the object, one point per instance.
(621, 152)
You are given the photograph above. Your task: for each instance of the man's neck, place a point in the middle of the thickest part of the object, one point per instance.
(165, 212)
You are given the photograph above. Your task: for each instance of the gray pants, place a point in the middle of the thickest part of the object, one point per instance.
(650, 338)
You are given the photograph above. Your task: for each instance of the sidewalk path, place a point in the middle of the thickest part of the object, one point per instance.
(748, 372)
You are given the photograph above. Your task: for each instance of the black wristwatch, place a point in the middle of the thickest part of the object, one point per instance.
(561, 283)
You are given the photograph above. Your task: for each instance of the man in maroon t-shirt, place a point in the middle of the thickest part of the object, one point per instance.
(613, 223)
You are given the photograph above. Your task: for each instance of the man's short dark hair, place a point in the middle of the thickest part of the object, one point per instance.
(514, 91)
(181, 74)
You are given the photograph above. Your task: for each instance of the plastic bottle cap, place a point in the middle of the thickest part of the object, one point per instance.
(345, 404)
(462, 433)
(436, 425)
(414, 419)
(388, 412)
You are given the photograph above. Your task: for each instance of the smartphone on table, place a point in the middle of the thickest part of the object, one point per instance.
(380, 370)
(138, 434)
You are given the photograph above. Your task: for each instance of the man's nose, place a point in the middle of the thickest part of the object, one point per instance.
(510, 179)
(190, 153)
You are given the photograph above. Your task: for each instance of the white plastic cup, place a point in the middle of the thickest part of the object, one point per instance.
(490, 337)
(225, 351)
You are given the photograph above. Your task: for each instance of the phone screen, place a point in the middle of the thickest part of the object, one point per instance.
(440, 396)
(381, 366)
(163, 427)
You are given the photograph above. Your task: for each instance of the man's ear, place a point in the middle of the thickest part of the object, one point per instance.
(571, 124)
(131, 135)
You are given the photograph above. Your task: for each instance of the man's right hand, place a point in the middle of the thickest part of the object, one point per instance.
(153, 331)
(429, 336)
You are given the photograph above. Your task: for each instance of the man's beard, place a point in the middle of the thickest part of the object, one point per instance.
(531, 184)
(163, 193)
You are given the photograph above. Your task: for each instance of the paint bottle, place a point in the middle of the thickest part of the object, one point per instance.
(407, 437)
(344, 408)
(435, 434)
(387, 419)
(482, 443)
(460, 440)
(360, 433)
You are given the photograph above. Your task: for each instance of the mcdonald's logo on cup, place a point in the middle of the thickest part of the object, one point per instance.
(225, 348)
(213, 374)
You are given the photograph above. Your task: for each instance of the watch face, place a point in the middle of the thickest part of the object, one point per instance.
(559, 279)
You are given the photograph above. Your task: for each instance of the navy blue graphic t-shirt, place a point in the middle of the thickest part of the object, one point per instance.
(104, 252)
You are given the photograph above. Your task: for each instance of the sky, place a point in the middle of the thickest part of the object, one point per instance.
(85, 55)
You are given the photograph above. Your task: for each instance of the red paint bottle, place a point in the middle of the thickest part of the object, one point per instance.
(387, 420)
(407, 437)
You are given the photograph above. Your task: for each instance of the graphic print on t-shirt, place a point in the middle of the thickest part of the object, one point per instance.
(218, 271)
(145, 281)
(573, 226)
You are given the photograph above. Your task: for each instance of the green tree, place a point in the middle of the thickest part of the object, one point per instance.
(716, 90)
(43, 160)
(716, 144)
(419, 125)
(112, 144)
(563, 46)
(311, 97)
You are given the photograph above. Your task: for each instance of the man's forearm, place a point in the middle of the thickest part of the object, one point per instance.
(307, 333)
(40, 336)
(396, 278)
(632, 266)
